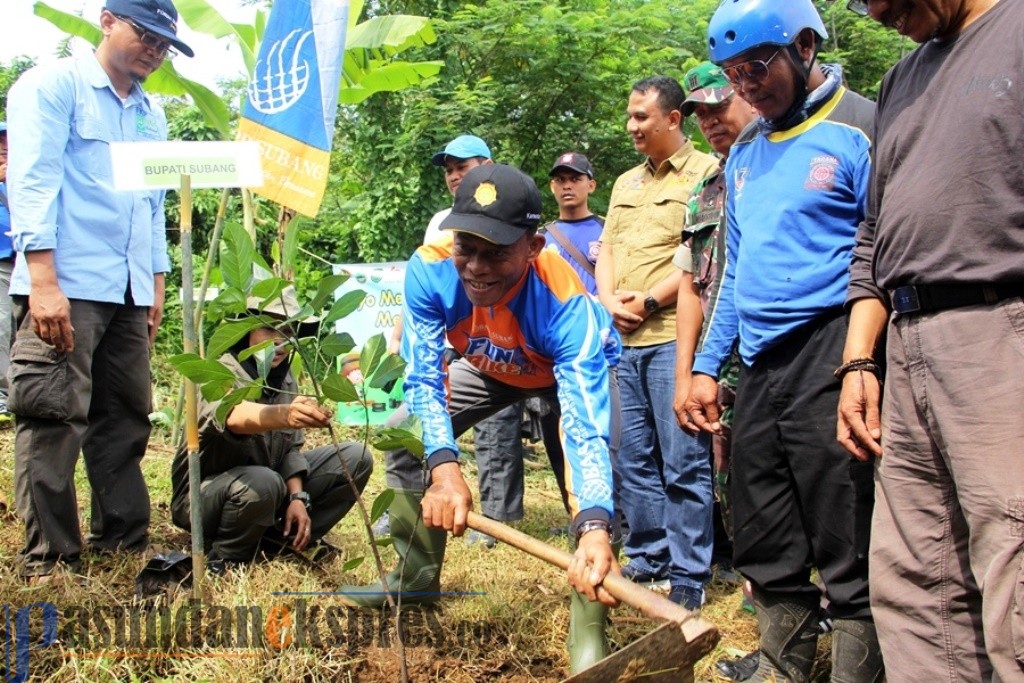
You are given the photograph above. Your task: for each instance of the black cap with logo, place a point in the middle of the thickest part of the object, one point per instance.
(574, 162)
(496, 202)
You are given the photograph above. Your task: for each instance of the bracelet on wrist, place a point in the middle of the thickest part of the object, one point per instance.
(591, 525)
(858, 364)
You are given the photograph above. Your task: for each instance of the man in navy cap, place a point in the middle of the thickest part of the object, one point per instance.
(88, 287)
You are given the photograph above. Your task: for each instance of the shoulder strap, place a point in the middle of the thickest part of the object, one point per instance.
(566, 244)
(3, 198)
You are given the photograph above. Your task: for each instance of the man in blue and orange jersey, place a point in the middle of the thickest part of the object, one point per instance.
(525, 326)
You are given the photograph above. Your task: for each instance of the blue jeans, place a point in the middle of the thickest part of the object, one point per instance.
(664, 473)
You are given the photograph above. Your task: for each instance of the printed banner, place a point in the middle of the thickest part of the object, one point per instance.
(378, 314)
(292, 99)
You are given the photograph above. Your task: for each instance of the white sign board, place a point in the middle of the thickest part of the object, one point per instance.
(380, 310)
(160, 165)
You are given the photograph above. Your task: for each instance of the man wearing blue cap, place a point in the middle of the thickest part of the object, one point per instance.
(457, 158)
(88, 287)
(796, 191)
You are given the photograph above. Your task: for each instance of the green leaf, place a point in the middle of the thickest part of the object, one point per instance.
(381, 504)
(230, 301)
(268, 289)
(391, 367)
(325, 290)
(215, 390)
(202, 17)
(338, 388)
(337, 344)
(225, 336)
(200, 370)
(397, 438)
(371, 354)
(236, 257)
(228, 403)
(69, 23)
(397, 32)
(247, 353)
(264, 361)
(384, 541)
(346, 304)
(352, 564)
(359, 83)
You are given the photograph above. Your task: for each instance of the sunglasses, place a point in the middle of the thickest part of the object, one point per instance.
(858, 7)
(151, 40)
(754, 71)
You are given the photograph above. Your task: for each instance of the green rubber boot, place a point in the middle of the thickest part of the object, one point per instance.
(420, 556)
(586, 643)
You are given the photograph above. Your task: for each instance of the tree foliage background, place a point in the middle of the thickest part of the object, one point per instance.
(532, 77)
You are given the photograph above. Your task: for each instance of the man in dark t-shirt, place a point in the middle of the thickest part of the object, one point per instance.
(937, 279)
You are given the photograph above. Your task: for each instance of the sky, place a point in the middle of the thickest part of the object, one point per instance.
(23, 33)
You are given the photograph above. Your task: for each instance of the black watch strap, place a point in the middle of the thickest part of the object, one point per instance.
(303, 496)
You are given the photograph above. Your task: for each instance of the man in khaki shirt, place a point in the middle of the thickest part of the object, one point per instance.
(664, 482)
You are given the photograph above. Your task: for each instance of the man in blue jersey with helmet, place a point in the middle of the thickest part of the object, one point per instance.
(796, 192)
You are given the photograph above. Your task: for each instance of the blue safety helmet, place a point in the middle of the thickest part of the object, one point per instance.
(741, 25)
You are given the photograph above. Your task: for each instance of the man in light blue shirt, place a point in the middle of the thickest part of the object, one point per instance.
(88, 287)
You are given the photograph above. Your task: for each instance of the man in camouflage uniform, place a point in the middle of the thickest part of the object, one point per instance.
(701, 256)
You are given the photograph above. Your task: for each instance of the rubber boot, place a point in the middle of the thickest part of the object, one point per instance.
(420, 556)
(856, 656)
(587, 642)
(788, 634)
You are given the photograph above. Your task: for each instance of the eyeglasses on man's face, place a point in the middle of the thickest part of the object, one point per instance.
(753, 71)
(151, 40)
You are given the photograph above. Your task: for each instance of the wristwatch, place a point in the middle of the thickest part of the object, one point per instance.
(591, 525)
(651, 304)
(303, 496)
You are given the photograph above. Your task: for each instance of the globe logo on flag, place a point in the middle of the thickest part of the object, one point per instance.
(280, 80)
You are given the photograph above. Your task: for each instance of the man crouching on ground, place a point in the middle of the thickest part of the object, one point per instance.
(525, 326)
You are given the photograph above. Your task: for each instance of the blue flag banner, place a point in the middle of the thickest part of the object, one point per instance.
(292, 99)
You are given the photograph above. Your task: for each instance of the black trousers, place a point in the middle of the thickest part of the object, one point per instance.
(800, 501)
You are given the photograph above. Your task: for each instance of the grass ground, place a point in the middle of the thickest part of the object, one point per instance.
(512, 628)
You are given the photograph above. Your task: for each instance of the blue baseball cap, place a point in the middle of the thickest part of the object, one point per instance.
(462, 147)
(3, 126)
(156, 16)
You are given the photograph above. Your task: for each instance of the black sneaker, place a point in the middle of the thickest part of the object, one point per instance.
(741, 668)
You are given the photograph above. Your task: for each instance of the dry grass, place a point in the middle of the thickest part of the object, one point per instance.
(515, 631)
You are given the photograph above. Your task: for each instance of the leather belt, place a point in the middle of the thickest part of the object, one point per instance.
(928, 298)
